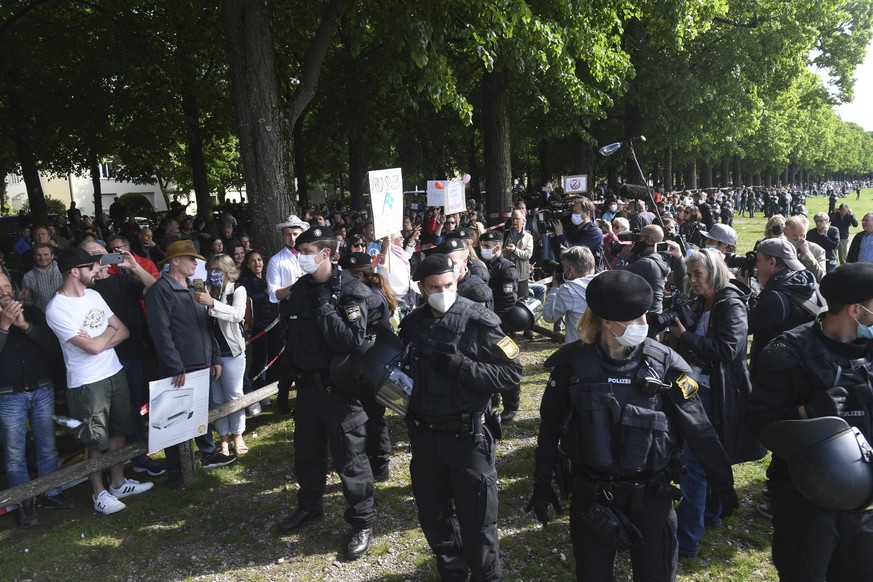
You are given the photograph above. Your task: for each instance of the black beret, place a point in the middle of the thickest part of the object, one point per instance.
(434, 265)
(461, 233)
(356, 261)
(451, 245)
(314, 234)
(491, 235)
(618, 295)
(848, 284)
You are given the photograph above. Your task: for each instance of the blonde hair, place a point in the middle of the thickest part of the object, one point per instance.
(225, 264)
(589, 327)
(776, 218)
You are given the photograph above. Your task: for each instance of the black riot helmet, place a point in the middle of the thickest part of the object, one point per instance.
(829, 461)
(521, 316)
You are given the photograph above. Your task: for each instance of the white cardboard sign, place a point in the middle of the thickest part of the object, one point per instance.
(386, 197)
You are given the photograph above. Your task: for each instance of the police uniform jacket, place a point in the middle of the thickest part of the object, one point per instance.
(504, 284)
(625, 420)
(490, 362)
(479, 269)
(721, 352)
(475, 289)
(340, 326)
(798, 363)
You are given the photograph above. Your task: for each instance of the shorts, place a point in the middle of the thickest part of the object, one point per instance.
(104, 409)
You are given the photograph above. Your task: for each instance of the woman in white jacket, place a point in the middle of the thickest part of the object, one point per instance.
(226, 303)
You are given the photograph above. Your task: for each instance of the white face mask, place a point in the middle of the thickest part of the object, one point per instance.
(308, 263)
(613, 207)
(487, 253)
(442, 302)
(634, 334)
(576, 219)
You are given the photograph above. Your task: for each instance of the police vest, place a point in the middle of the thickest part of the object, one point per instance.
(436, 395)
(618, 425)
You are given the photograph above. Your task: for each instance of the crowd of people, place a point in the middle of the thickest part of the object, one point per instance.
(650, 401)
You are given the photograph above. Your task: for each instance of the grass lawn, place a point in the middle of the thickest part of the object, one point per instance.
(223, 528)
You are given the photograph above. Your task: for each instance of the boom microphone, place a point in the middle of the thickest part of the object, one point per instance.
(633, 192)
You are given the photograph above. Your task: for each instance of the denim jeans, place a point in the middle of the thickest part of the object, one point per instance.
(15, 410)
(698, 506)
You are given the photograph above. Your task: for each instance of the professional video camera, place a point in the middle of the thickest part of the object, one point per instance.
(677, 306)
(553, 269)
(625, 239)
(745, 263)
(558, 211)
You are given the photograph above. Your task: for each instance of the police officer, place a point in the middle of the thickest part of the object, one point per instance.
(821, 368)
(457, 358)
(504, 286)
(327, 314)
(475, 266)
(469, 285)
(380, 305)
(620, 405)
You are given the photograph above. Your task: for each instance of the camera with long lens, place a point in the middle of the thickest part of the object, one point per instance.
(681, 308)
(624, 239)
(744, 263)
(553, 269)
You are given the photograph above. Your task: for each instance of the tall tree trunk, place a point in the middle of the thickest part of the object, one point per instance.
(300, 163)
(474, 185)
(498, 163)
(737, 174)
(545, 159)
(196, 157)
(668, 169)
(255, 95)
(691, 175)
(24, 149)
(98, 189)
(357, 169)
(706, 174)
(725, 171)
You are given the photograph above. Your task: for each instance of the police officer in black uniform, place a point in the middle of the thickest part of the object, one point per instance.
(504, 284)
(469, 285)
(620, 405)
(457, 357)
(380, 306)
(821, 368)
(475, 266)
(327, 314)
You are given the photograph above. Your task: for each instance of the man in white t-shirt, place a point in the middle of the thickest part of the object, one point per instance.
(283, 270)
(97, 392)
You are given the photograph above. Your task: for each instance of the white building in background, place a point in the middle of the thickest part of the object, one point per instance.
(81, 190)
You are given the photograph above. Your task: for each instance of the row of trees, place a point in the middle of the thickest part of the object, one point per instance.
(294, 95)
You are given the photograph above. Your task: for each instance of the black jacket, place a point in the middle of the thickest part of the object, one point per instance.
(723, 348)
(28, 356)
(778, 309)
(263, 311)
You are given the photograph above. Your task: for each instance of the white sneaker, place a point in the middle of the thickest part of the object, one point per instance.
(130, 487)
(253, 410)
(106, 503)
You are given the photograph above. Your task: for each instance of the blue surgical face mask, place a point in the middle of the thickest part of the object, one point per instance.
(216, 278)
(864, 331)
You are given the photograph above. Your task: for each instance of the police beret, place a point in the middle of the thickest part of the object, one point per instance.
(461, 233)
(618, 295)
(451, 245)
(356, 261)
(434, 265)
(491, 235)
(314, 234)
(848, 284)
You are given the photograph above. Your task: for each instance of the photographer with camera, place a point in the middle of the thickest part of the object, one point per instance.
(566, 299)
(715, 348)
(582, 230)
(652, 266)
(783, 303)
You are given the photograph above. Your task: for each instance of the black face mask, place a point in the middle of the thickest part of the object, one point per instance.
(640, 247)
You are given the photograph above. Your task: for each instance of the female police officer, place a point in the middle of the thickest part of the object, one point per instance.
(620, 404)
